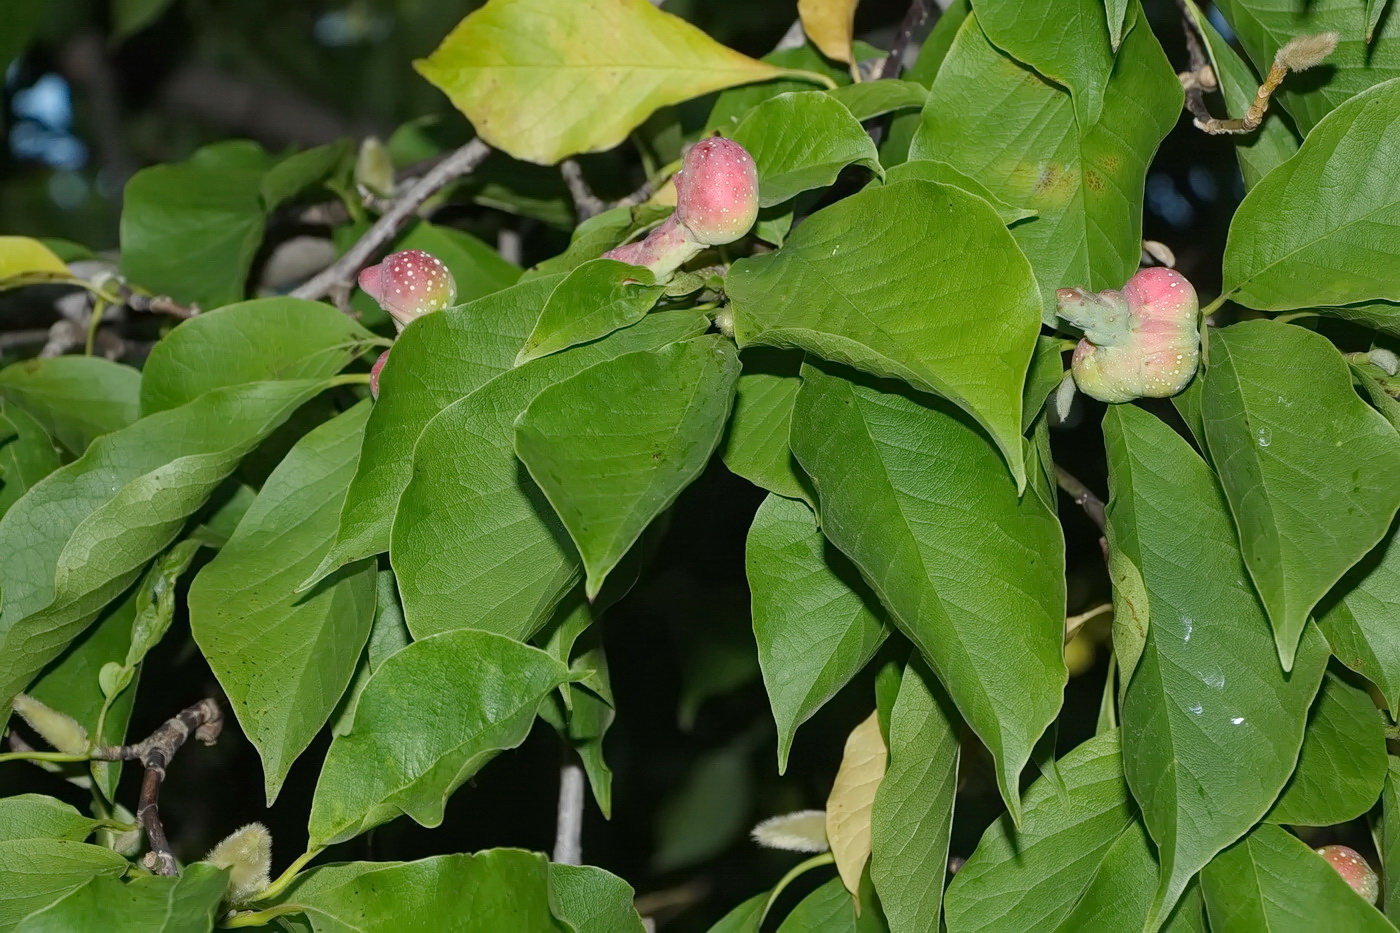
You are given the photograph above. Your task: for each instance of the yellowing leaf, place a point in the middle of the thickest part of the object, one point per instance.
(19, 255)
(830, 24)
(545, 79)
(852, 797)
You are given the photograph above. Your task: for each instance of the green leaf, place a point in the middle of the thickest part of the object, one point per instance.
(37, 873)
(75, 682)
(34, 816)
(831, 909)
(27, 258)
(27, 453)
(155, 599)
(1117, 14)
(1270, 880)
(83, 534)
(131, 16)
(489, 892)
(438, 359)
(475, 543)
(266, 339)
(298, 171)
(1358, 618)
(1046, 374)
(1312, 473)
(592, 900)
(1081, 850)
(731, 105)
(582, 714)
(1274, 142)
(707, 810)
(929, 170)
(913, 814)
(186, 903)
(756, 441)
(595, 299)
(816, 622)
(76, 398)
(190, 229)
(887, 281)
(1342, 764)
(1318, 229)
(911, 491)
(802, 140)
(870, 99)
(388, 634)
(429, 718)
(1264, 26)
(744, 918)
(1211, 724)
(613, 446)
(992, 119)
(543, 80)
(1389, 842)
(1068, 41)
(284, 658)
(1374, 10)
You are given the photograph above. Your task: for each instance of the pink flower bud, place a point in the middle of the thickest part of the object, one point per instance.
(409, 284)
(717, 191)
(1354, 869)
(1141, 342)
(374, 374)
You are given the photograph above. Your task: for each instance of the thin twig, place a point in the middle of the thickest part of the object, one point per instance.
(1200, 79)
(586, 203)
(914, 17)
(1083, 497)
(204, 720)
(568, 828)
(337, 279)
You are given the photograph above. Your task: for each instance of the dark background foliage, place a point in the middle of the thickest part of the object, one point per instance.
(105, 90)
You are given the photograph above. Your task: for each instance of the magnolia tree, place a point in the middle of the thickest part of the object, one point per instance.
(899, 291)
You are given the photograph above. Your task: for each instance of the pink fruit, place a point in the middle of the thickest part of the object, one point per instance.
(1354, 869)
(409, 284)
(716, 203)
(374, 374)
(717, 191)
(1141, 342)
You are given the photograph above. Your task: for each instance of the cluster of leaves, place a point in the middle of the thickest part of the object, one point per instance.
(423, 574)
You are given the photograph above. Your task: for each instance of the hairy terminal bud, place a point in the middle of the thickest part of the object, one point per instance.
(802, 831)
(1354, 869)
(717, 191)
(60, 730)
(247, 854)
(1141, 342)
(716, 203)
(409, 284)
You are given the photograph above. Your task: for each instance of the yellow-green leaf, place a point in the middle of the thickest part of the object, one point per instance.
(830, 24)
(21, 256)
(545, 79)
(852, 798)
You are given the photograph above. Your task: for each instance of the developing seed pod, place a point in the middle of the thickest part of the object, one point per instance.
(1354, 869)
(716, 203)
(1141, 342)
(717, 191)
(409, 284)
